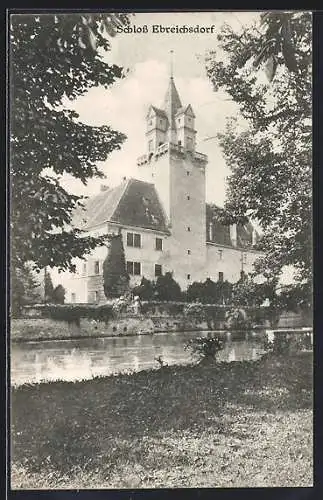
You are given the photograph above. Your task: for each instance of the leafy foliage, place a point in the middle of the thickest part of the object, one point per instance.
(237, 319)
(25, 289)
(73, 313)
(48, 286)
(55, 57)
(205, 347)
(146, 289)
(167, 288)
(58, 296)
(115, 276)
(210, 292)
(271, 157)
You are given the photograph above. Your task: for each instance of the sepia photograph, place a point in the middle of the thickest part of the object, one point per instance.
(161, 282)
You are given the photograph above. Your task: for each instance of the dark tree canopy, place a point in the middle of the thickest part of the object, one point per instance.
(58, 296)
(52, 57)
(271, 158)
(167, 288)
(115, 276)
(25, 289)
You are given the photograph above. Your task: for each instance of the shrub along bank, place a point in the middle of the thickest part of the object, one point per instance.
(228, 424)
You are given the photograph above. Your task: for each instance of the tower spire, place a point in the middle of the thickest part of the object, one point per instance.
(172, 64)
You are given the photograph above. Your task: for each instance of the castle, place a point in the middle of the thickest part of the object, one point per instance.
(165, 222)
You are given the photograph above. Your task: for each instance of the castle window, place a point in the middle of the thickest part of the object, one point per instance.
(188, 276)
(187, 173)
(73, 297)
(158, 270)
(188, 197)
(188, 229)
(179, 143)
(188, 252)
(96, 267)
(133, 240)
(133, 268)
(160, 122)
(221, 276)
(159, 244)
(96, 296)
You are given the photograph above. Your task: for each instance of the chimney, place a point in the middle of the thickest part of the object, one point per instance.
(104, 187)
(233, 234)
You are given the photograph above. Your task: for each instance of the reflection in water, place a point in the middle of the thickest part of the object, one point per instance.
(85, 358)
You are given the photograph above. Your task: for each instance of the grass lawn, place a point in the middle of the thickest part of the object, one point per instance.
(239, 424)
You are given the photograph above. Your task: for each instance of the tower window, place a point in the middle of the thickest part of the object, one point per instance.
(187, 173)
(221, 276)
(220, 254)
(188, 252)
(159, 244)
(73, 297)
(96, 267)
(188, 197)
(160, 122)
(150, 122)
(96, 296)
(188, 229)
(158, 270)
(84, 269)
(188, 276)
(151, 145)
(179, 143)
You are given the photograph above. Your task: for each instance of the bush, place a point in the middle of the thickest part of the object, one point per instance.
(73, 313)
(278, 344)
(195, 310)
(205, 347)
(145, 290)
(237, 320)
(210, 292)
(167, 288)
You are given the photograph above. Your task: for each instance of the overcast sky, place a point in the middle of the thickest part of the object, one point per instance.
(124, 105)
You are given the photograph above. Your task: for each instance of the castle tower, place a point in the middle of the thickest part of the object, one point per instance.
(178, 172)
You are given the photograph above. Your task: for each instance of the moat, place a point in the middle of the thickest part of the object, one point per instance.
(73, 360)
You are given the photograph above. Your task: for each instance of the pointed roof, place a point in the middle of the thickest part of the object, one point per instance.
(132, 203)
(172, 103)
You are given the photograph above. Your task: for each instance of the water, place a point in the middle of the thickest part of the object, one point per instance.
(73, 360)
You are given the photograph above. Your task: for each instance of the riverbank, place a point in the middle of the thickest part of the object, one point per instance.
(240, 424)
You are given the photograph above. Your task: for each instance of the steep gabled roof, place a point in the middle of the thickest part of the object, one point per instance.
(188, 110)
(159, 112)
(132, 203)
